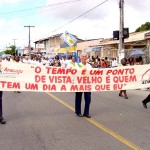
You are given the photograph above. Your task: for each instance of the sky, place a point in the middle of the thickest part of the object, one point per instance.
(52, 17)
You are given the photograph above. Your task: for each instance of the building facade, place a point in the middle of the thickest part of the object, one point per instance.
(51, 44)
(99, 47)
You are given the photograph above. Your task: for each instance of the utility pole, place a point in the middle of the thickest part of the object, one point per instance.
(14, 42)
(29, 45)
(121, 52)
(15, 45)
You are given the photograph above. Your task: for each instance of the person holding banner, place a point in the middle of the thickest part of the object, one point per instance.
(2, 120)
(124, 63)
(87, 95)
(17, 60)
(146, 100)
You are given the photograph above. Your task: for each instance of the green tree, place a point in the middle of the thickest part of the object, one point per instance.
(143, 27)
(11, 50)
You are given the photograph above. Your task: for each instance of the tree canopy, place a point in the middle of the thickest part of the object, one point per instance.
(143, 27)
(11, 50)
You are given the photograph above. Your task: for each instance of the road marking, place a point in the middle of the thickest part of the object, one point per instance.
(100, 126)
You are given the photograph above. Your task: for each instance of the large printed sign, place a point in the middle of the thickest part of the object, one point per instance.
(69, 39)
(25, 77)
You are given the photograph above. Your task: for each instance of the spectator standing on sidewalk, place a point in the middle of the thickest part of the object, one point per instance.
(141, 60)
(114, 63)
(107, 62)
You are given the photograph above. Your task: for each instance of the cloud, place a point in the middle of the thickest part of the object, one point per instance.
(9, 1)
(12, 29)
(99, 23)
(95, 24)
(74, 9)
(136, 13)
(138, 5)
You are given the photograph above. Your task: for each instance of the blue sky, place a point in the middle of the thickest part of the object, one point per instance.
(21, 5)
(13, 23)
(99, 23)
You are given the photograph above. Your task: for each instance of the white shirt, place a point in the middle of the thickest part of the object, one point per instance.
(72, 65)
(81, 66)
(114, 63)
(63, 63)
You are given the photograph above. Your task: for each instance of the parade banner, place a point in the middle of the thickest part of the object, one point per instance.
(25, 77)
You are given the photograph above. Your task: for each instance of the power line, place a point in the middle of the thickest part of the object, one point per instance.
(34, 13)
(80, 15)
(22, 10)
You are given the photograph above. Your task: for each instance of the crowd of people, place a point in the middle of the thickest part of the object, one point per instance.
(63, 61)
(85, 62)
(96, 62)
(36, 60)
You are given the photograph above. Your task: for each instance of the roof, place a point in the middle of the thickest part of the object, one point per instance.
(87, 44)
(44, 39)
(133, 37)
(55, 35)
(47, 38)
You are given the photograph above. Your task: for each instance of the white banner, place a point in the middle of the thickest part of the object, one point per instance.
(24, 77)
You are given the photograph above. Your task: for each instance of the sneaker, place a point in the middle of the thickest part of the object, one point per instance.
(2, 121)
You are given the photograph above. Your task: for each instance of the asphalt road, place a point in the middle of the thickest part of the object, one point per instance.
(46, 121)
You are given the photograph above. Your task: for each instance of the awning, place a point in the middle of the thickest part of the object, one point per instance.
(137, 52)
(90, 49)
(96, 48)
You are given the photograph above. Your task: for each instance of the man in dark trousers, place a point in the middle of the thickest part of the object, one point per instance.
(2, 121)
(146, 100)
(87, 95)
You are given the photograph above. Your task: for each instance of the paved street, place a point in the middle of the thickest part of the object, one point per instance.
(46, 121)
